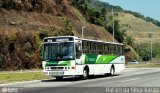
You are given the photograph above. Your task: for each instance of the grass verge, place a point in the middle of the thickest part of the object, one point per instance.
(149, 65)
(19, 77)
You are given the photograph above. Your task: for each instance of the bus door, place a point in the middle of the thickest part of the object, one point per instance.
(78, 48)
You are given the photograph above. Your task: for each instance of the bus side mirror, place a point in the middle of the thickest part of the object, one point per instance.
(127, 50)
(41, 51)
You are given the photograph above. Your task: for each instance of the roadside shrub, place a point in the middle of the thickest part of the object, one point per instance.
(43, 33)
(0, 60)
(128, 40)
(144, 50)
(11, 38)
(67, 26)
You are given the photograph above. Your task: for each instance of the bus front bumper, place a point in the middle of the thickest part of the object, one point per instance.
(60, 73)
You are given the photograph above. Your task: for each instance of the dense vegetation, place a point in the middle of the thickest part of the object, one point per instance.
(144, 50)
(148, 19)
(95, 12)
(99, 13)
(21, 50)
(23, 29)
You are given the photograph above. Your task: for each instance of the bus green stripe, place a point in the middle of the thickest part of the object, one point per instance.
(91, 59)
(58, 63)
(64, 63)
(103, 59)
(51, 63)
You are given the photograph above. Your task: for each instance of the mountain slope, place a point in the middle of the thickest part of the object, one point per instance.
(139, 29)
(24, 23)
(91, 31)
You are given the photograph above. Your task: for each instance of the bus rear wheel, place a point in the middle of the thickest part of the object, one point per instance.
(85, 74)
(112, 71)
(59, 77)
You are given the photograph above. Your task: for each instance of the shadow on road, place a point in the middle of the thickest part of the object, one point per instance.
(77, 78)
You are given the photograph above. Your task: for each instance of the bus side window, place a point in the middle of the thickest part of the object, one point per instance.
(85, 47)
(78, 50)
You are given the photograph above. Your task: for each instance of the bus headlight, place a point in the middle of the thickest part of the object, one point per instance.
(47, 68)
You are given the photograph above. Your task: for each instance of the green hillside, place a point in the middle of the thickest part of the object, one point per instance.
(140, 30)
(132, 24)
(142, 33)
(131, 28)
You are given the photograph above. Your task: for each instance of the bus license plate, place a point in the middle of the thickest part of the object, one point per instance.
(57, 73)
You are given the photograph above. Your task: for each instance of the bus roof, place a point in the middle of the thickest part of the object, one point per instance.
(102, 41)
(91, 40)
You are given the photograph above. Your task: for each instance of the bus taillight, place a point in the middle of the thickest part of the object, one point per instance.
(72, 67)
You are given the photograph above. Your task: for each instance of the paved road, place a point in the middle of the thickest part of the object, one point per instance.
(99, 84)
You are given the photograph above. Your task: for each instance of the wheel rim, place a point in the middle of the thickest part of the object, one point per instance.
(85, 74)
(112, 71)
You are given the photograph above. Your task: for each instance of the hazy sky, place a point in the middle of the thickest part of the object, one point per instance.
(149, 8)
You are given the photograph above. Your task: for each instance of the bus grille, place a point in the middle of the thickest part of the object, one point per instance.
(56, 68)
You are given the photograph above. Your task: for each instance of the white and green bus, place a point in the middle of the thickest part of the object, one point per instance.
(74, 56)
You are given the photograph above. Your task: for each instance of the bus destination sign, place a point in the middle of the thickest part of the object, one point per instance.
(62, 39)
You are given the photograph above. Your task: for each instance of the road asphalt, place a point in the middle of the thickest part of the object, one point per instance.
(131, 80)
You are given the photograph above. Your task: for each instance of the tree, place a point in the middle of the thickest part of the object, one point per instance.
(103, 11)
(128, 40)
(119, 34)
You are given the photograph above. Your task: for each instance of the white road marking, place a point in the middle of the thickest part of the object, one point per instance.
(129, 80)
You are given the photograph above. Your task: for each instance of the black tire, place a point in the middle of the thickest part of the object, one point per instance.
(59, 77)
(85, 74)
(112, 71)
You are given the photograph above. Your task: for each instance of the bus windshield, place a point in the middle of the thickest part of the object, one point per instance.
(58, 51)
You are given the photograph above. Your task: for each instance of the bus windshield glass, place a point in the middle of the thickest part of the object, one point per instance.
(58, 51)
